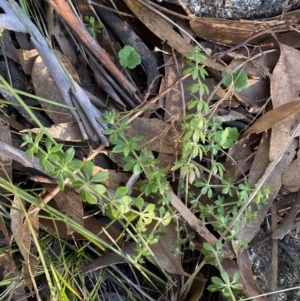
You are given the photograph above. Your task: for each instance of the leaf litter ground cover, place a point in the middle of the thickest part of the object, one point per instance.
(147, 153)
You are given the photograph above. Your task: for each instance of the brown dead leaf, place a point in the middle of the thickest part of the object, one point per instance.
(90, 223)
(45, 87)
(256, 93)
(69, 203)
(288, 222)
(248, 281)
(284, 89)
(7, 263)
(109, 259)
(63, 131)
(238, 156)
(61, 38)
(291, 38)
(157, 135)
(22, 235)
(273, 117)
(261, 159)
(27, 58)
(291, 176)
(164, 250)
(114, 178)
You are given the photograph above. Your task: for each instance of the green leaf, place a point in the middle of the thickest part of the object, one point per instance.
(88, 169)
(56, 148)
(166, 219)
(99, 188)
(236, 276)
(121, 191)
(239, 80)
(217, 281)
(53, 157)
(207, 246)
(237, 286)
(77, 184)
(108, 131)
(136, 169)
(118, 148)
(139, 202)
(214, 288)
(61, 182)
(99, 177)
(225, 276)
(75, 164)
(128, 57)
(87, 197)
(227, 137)
(69, 155)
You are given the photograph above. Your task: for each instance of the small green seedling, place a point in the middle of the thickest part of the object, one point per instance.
(239, 80)
(227, 137)
(128, 57)
(92, 26)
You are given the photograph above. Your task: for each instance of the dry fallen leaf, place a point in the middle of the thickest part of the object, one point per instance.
(284, 89)
(63, 131)
(164, 250)
(45, 87)
(90, 223)
(157, 135)
(22, 235)
(291, 176)
(273, 117)
(69, 203)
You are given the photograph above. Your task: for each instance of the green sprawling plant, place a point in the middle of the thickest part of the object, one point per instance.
(203, 139)
(93, 26)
